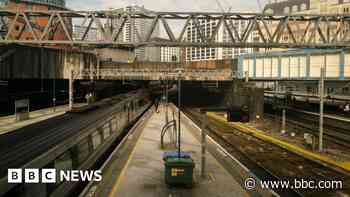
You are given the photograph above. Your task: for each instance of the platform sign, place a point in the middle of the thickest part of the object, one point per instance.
(24, 103)
(3, 83)
(22, 109)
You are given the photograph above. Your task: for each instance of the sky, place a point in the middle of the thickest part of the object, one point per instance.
(167, 5)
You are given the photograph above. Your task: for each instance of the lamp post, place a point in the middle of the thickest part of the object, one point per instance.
(321, 92)
(166, 101)
(203, 144)
(54, 94)
(179, 111)
(71, 89)
(283, 130)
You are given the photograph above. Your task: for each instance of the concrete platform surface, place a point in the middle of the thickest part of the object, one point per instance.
(8, 123)
(143, 174)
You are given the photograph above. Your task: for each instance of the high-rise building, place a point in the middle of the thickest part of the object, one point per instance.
(92, 35)
(193, 35)
(307, 7)
(169, 54)
(280, 7)
(286, 7)
(231, 53)
(162, 54)
(208, 28)
(134, 28)
(34, 4)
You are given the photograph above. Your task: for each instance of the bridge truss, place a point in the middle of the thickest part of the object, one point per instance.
(260, 31)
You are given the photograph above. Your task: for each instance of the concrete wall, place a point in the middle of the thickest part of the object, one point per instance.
(152, 54)
(24, 62)
(246, 94)
(115, 55)
(197, 71)
(210, 65)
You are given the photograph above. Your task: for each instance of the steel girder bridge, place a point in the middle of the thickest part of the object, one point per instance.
(260, 31)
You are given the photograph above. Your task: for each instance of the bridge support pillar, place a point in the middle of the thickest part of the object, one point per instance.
(71, 89)
(321, 92)
(283, 130)
(204, 145)
(243, 95)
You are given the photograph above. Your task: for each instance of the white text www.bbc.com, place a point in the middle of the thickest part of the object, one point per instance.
(252, 183)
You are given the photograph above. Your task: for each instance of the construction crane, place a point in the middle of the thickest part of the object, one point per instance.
(260, 6)
(221, 7)
(223, 10)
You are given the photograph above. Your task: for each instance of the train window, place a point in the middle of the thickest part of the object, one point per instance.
(82, 151)
(330, 90)
(114, 124)
(63, 162)
(124, 118)
(106, 131)
(141, 103)
(96, 139)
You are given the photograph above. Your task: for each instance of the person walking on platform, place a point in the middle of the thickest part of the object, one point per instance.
(156, 104)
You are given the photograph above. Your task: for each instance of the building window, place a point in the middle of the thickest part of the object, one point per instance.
(3, 3)
(30, 7)
(96, 139)
(286, 10)
(295, 8)
(57, 3)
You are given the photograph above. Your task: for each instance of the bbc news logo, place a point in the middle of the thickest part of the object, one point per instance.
(52, 176)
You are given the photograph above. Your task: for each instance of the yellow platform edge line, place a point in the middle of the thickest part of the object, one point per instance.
(120, 178)
(285, 145)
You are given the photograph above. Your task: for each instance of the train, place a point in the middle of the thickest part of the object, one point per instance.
(238, 114)
(340, 103)
(4, 97)
(88, 146)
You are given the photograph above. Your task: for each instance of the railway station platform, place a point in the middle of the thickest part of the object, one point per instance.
(143, 174)
(8, 123)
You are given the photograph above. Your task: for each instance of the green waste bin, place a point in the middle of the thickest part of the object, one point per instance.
(179, 171)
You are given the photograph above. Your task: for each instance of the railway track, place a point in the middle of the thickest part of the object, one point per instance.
(270, 162)
(335, 130)
(22, 145)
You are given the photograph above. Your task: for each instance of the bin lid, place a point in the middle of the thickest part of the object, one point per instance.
(179, 161)
(176, 154)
